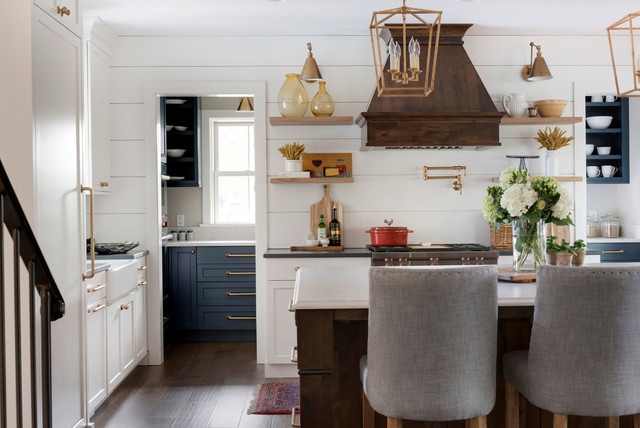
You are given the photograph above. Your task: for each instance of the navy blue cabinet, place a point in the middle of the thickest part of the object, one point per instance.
(181, 140)
(213, 293)
(617, 252)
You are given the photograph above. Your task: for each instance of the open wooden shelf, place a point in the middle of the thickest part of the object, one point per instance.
(540, 120)
(277, 180)
(562, 179)
(311, 121)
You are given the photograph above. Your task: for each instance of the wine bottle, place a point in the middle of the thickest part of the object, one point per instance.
(335, 240)
(322, 228)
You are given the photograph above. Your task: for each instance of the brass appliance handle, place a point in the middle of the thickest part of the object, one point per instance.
(229, 293)
(613, 252)
(93, 245)
(142, 284)
(294, 354)
(293, 417)
(241, 273)
(97, 308)
(240, 255)
(94, 289)
(229, 317)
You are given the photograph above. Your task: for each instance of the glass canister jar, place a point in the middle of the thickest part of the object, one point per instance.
(593, 230)
(610, 226)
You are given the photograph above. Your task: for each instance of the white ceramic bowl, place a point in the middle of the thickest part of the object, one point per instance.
(588, 148)
(168, 127)
(312, 242)
(325, 242)
(184, 128)
(596, 122)
(175, 153)
(604, 150)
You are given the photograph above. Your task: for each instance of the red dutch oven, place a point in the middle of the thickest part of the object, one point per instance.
(389, 236)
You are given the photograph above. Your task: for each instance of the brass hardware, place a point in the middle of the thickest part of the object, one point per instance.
(104, 184)
(293, 416)
(162, 155)
(93, 244)
(613, 252)
(142, 284)
(93, 290)
(240, 255)
(229, 293)
(457, 184)
(97, 308)
(627, 26)
(310, 71)
(124, 307)
(290, 308)
(538, 69)
(193, 251)
(165, 320)
(241, 273)
(63, 11)
(229, 317)
(294, 351)
(143, 267)
(297, 268)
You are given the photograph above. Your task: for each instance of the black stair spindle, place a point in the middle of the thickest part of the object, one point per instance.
(18, 329)
(3, 369)
(45, 339)
(32, 343)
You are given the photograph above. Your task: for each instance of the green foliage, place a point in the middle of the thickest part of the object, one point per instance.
(552, 245)
(578, 246)
(565, 247)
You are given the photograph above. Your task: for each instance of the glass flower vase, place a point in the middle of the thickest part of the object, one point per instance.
(293, 100)
(529, 245)
(322, 104)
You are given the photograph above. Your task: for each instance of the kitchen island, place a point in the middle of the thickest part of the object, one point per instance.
(331, 311)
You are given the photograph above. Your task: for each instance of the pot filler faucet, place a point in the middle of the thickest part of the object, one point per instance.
(457, 184)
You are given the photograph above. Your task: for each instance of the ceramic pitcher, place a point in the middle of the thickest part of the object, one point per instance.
(515, 105)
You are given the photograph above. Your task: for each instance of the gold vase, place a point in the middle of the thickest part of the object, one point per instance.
(293, 100)
(322, 103)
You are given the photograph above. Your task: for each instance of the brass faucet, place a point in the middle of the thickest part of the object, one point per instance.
(457, 184)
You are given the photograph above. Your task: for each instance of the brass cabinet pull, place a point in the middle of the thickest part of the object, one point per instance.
(98, 288)
(613, 252)
(229, 317)
(290, 309)
(97, 308)
(240, 255)
(241, 273)
(63, 11)
(294, 354)
(143, 267)
(293, 416)
(297, 268)
(93, 244)
(142, 284)
(104, 184)
(124, 307)
(193, 251)
(229, 293)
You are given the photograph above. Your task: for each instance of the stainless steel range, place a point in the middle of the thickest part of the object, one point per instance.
(437, 254)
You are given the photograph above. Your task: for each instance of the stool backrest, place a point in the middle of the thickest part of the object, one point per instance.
(431, 352)
(584, 354)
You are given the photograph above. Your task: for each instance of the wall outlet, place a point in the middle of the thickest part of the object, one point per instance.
(180, 220)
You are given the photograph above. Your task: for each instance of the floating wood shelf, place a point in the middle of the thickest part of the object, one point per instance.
(562, 179)
(311, 121)
(277, 180)
(540, 120)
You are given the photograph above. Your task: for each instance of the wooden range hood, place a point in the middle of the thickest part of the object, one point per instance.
(459, 113)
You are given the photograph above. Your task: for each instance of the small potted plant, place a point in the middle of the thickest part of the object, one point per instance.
(292, 153)
(565, 254)
(552, 250)
(579, 250)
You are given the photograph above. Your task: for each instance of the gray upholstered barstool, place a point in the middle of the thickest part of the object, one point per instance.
(584, 353)
(431, 352)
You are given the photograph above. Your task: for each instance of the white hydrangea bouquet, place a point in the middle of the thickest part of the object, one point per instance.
(527, 206)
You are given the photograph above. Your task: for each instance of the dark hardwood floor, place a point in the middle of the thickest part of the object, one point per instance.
(199, 385)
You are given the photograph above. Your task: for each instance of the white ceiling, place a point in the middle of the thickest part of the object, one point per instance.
(349, 17)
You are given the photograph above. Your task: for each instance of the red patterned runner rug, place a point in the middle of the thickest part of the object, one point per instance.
(275, 398)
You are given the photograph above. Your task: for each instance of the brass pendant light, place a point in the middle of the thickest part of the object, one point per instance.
(245, 105)
(310, 71)
(537, 69)
(626, 27)
(410, 68)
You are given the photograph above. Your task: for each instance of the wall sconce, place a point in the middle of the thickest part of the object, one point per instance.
(457, 184)
(628, 44)
(537, 69)
(245, 105)
(310, 71)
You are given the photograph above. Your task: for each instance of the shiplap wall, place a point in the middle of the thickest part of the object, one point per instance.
(386, 184)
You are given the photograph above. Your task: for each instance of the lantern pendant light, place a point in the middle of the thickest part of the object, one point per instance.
(626, 40)
(412, 50)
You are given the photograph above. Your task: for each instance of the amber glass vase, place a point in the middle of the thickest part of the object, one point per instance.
(293, 100)
(322, 103)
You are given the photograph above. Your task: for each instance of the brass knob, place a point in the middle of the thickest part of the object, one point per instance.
(63, 11)
(104, 183)
(124, 307)
(193, 251)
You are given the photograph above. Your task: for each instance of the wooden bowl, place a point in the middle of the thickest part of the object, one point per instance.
(550, 108)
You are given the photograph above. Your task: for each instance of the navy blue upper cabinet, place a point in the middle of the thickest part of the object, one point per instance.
(181, 140)
(183, 286)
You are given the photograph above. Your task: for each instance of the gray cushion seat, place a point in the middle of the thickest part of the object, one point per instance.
(584, 353)
(431, 352)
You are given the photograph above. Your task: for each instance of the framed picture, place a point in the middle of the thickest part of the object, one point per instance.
(327, 164)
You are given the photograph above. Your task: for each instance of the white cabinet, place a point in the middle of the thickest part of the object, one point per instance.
(96, 354)
(120, 341)
(98, 120)
(66, 12)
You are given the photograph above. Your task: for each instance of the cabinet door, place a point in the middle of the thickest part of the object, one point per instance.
(140, 322)
(54, 8)
(183, 288)
(114, 364)
(281, 331)
(99, 119)
(127, 345)
(96, 353)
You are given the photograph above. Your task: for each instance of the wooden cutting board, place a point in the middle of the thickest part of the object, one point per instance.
(508, 274)
(324, 207)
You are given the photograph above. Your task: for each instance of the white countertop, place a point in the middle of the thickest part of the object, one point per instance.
(348, 288)
(208, 243)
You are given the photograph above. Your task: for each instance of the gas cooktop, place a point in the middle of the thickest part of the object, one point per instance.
(434, 247)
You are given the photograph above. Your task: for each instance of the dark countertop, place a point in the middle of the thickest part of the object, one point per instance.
(590, 252)
(132, 254)
(285, 253)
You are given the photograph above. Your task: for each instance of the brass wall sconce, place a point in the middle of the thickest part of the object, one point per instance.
(245, 105)
(627, 26)
(457, 184)
(537, 69)
(310, 71)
